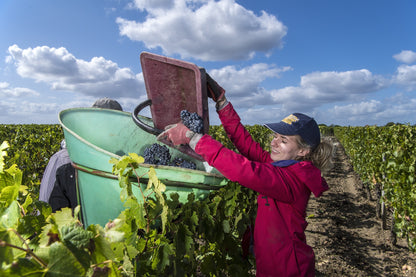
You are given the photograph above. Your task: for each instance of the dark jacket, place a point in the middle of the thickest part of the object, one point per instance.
(64, 193)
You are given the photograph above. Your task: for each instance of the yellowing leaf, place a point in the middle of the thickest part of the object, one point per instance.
(63, 218)
(3, 153)
(136, 158)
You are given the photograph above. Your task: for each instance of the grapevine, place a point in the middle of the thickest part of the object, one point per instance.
(385, 157)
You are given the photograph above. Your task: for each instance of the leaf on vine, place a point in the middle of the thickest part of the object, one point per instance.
(27, 202)
(226, 226)
(64, 217)
(194, 219)
(77, 235)
(131, 251)
(127, 265)
(64, 262)
(24, 267)
(183, 241)
(162, 256)
(164, 217)
(10, 217)
(135, 210)
(136, 158)
(16, 173)
(101, 271)
(158, 186)
(102, 251)
(53, 237)
(8, 195)
(114, 236)
(3, 153)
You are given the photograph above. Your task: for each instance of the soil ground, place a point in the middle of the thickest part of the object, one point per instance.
(345, 233)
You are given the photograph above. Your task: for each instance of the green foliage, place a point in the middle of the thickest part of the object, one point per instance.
(31, 146)
(156, 235)
(387, 156)
(326, 130)
(259, 133)
(180, 239)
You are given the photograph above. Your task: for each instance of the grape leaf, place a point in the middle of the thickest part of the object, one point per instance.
(63, 262)
(10, 217)
(3, 153)
(76, 235)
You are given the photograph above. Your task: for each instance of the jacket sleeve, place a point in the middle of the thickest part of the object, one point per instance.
(262, 177)
(240, 137)
(48, 180)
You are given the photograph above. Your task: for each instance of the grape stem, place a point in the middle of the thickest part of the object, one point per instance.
(28, 250)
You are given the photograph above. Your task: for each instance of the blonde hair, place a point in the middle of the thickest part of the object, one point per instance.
(321, 156)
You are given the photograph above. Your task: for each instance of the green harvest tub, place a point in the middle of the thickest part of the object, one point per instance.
(93, 136)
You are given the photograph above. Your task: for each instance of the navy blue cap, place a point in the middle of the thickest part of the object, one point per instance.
(298, 124)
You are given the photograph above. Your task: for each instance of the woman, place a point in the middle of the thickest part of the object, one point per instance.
(284, 179)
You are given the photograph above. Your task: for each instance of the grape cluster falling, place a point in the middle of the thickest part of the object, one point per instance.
(156, 154)
(159, 155)
(193, 121)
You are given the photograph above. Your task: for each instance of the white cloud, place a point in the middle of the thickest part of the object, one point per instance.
(406, 56)
(319, 88)
(33, 108)
(243, 85)
(257, 105)
(263, 115)
(154, 6)
(348, 82)
(244, 89)
(63, 71)
(357, 109)
(247, 80)
(7, 91)
(406, 76)
(204, 30)
(26, 109)
(398, 108)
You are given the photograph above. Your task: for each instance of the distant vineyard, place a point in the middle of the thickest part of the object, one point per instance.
(385, 159)
(31, 146)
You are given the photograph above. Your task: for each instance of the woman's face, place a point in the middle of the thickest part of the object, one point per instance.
(285, 148)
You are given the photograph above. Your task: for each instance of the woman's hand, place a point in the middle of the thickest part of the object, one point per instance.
(177, 134)
(214, 91)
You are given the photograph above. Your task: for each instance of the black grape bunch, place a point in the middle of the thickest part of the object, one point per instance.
(193, 121)
(179, 162)
(157, 154)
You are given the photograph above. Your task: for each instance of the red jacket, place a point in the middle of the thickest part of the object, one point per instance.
(279, 234)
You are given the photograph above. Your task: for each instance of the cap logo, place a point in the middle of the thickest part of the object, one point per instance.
(290, 119)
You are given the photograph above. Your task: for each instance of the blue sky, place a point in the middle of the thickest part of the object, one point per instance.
(345, 62)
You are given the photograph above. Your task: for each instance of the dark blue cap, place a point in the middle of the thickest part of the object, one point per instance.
(298, 124)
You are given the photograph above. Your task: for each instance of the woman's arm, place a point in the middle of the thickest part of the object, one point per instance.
(262, 177)
(240, 137)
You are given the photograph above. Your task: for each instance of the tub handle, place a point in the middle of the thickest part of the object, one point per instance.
(140, 123)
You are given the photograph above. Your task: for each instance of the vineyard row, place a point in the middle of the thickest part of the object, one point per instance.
(385, 157)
